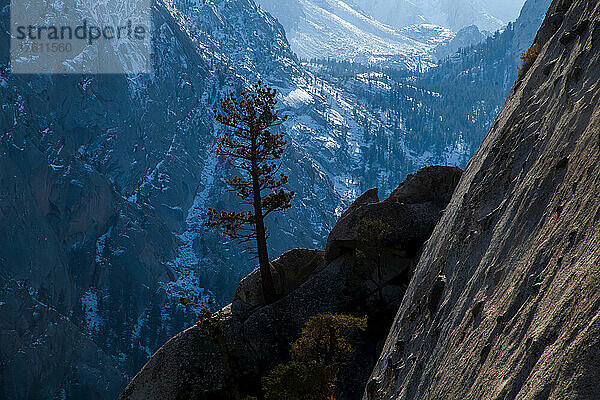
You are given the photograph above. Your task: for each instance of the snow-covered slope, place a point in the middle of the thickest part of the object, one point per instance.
(452, 14)
(106, 180)
(339, 29)
(397, 32)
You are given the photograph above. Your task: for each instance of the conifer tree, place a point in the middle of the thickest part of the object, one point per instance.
(316, 358)
(253, 143)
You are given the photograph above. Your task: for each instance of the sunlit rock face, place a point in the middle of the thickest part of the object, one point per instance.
(504, 301)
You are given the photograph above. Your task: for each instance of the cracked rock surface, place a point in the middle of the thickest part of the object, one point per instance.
(505, 301)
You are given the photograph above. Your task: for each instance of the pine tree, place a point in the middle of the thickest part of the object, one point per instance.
(316, 358)
(253, 143)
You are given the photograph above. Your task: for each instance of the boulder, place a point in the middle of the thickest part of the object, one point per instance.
(289, 271)
(430, 184)
(371, 196)
(411, 211)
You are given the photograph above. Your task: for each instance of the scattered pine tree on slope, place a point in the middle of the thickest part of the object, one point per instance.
(253, 144)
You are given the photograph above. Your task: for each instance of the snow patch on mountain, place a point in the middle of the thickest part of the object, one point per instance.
(297, 97)
(89, 304)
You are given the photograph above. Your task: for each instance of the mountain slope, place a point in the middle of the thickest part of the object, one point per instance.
(439, 116)
(505, 300)
(464, 94)
(107, 179)
(336, 29)
(452, 14)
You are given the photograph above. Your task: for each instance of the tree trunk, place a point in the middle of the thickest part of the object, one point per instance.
(261, 239)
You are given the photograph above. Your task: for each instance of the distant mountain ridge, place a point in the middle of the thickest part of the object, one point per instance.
(487, 15)
(337, 29)
(379, 31)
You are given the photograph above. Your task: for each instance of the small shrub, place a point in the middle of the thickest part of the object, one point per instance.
(323, 341)
(299, 381)
(316, 358)
(372, 230)
(528, 58)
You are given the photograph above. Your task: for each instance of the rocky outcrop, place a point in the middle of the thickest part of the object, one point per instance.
(467, 36)
(505, 301)
(289, 272)
(411, 211)
(256, 337)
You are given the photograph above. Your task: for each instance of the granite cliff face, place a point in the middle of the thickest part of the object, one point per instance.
(255, 337)
(505, 301)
